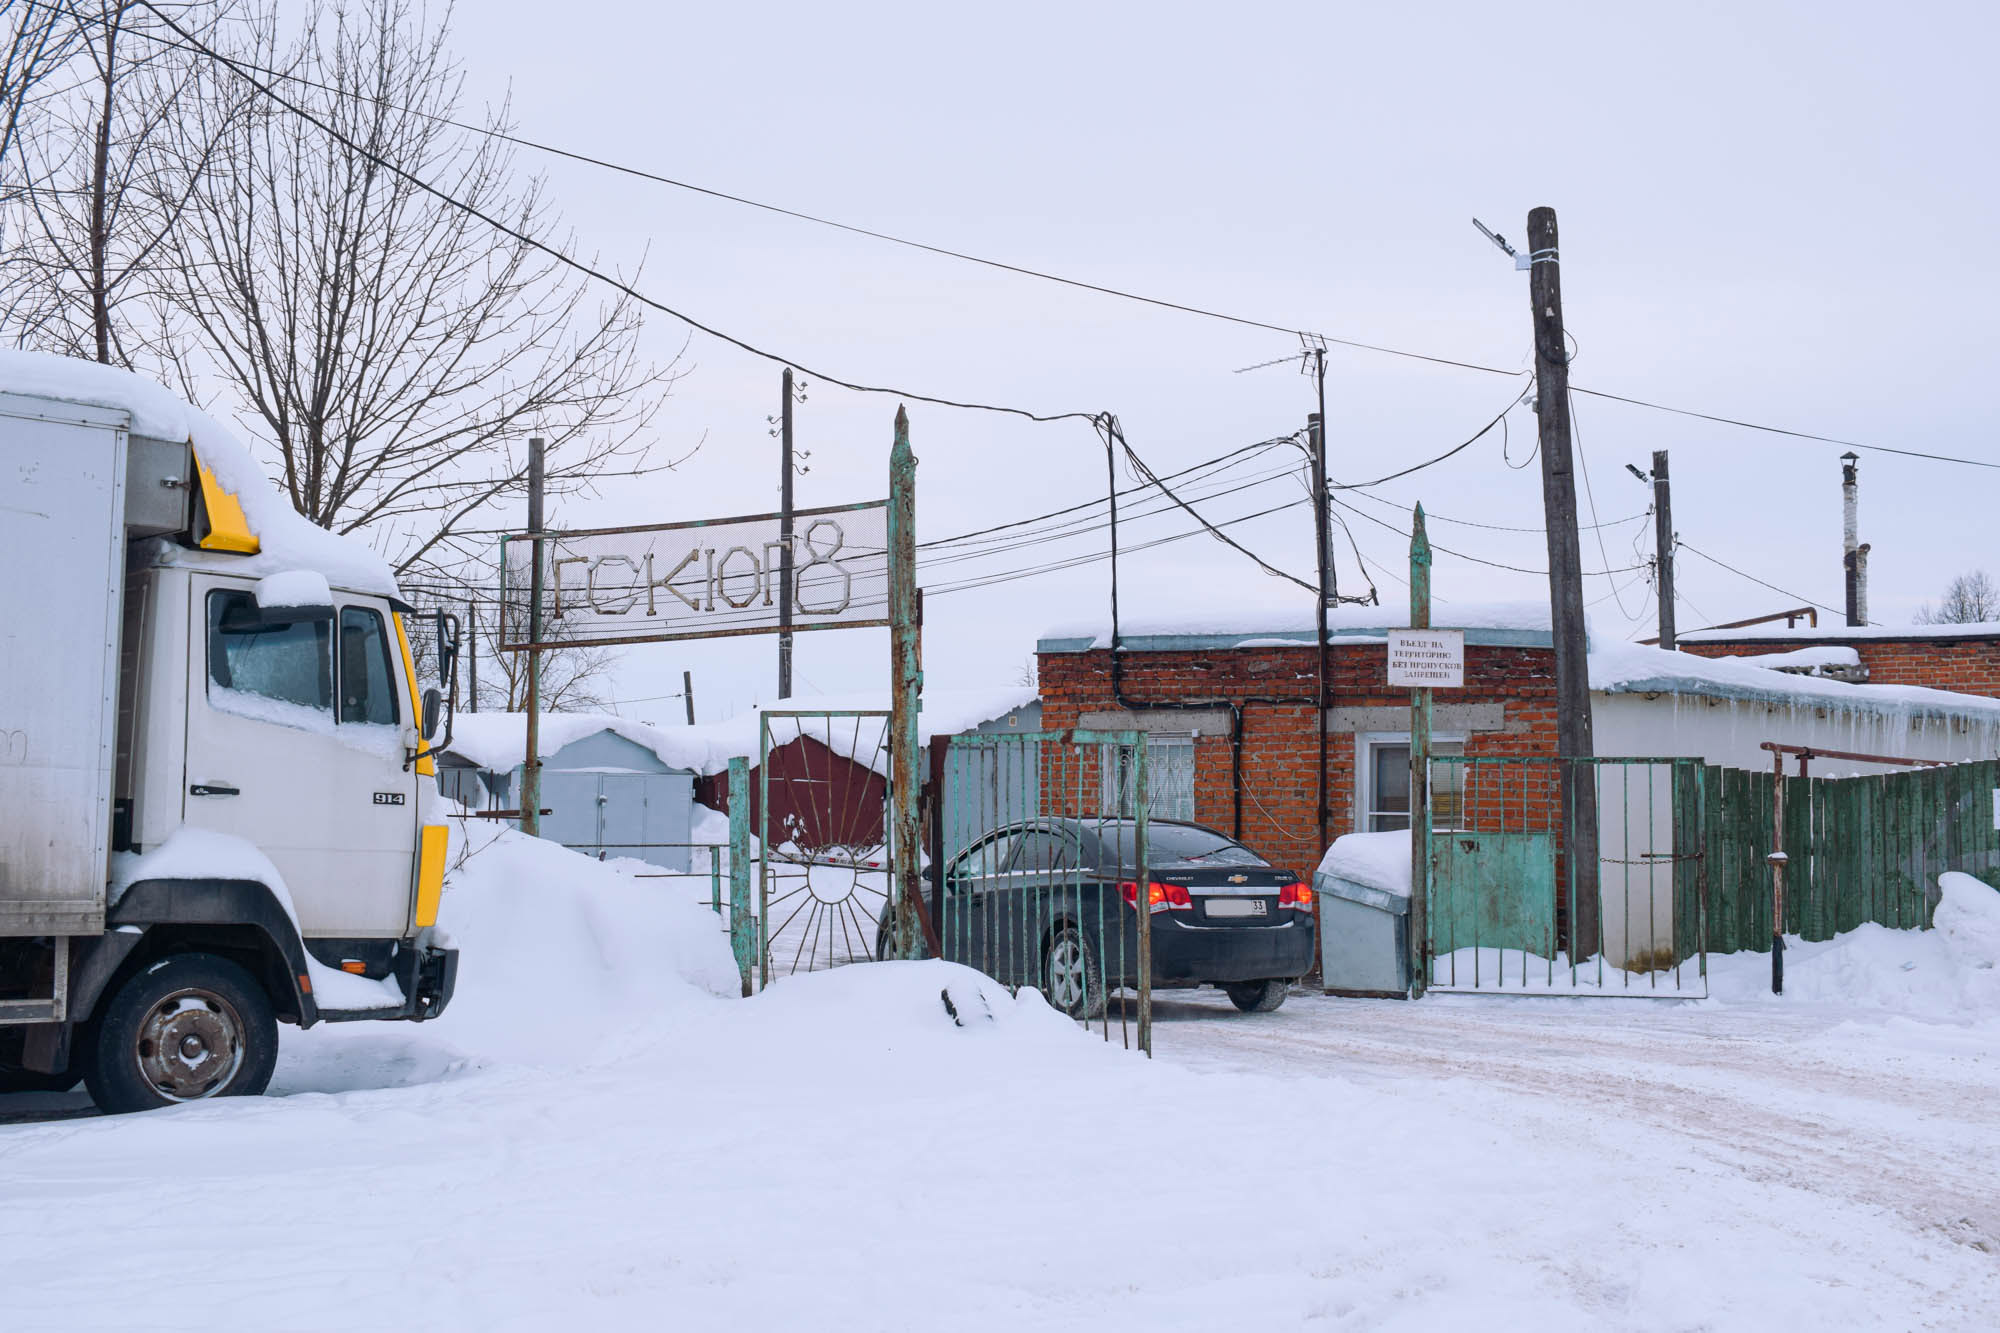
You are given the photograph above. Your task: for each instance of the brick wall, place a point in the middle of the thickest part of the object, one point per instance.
(1280, 746)
(1970, 666)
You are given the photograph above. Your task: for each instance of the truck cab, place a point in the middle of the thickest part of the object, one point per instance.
(215, 762)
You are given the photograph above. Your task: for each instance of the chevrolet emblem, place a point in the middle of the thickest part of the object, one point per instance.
(1239, 879)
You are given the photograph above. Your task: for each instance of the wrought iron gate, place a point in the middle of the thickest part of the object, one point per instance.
(1502, 884)
(820, 808)
(1039, 870)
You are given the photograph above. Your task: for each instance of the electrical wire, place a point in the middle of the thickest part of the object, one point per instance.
(1456, 449)
(569, 261)
(1681, 545)
(1590, 497)
(1780, 430)
(1475, 559)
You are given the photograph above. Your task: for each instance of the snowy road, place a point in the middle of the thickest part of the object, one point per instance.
(1899, 1116)
(593, 1137)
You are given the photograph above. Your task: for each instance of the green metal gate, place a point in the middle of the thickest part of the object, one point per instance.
(1501, 882)
(1039, 870)
(820, 812)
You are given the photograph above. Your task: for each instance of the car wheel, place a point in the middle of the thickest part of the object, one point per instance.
(190, 1027)
(1257, 997)
(1072, 975)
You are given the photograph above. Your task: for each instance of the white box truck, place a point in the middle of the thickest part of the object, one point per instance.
(215, 764)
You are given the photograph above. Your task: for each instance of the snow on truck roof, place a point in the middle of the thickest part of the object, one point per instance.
(497, 741)
(286, 540)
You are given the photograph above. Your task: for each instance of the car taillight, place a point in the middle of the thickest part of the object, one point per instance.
(1297, 896)
(1159, 897)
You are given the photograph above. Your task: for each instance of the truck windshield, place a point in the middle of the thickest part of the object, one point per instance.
(290, 663)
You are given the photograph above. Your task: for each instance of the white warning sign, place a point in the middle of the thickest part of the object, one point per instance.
(1427, 658)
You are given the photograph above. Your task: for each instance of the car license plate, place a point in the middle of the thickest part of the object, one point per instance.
(1235, 906)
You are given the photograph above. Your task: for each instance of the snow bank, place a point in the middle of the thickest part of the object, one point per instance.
(1377, 860)
(558, 951)
(498, 741)
(1950, 974)
(287, 540)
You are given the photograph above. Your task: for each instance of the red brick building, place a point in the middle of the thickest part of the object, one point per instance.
(1965, 658)
(1233, 713)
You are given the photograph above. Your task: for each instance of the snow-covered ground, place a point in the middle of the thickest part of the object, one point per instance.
(593, 1137)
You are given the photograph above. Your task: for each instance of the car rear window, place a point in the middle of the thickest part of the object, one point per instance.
(1178, 844)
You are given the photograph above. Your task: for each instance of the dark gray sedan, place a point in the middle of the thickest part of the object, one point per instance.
(1055, 903)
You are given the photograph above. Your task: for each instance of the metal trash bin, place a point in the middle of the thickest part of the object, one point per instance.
(1364, 939)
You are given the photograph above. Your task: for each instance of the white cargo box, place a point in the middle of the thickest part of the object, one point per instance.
(62, 539)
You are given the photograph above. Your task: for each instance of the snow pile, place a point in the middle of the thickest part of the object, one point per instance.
(1950, 974)
(1375, 860)
(287, 540)
(1809, 661)
(557, 950)
(294, 587)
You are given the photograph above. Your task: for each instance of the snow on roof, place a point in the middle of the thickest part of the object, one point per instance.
(497, 741)
(1633, 668)
(286, 539)
(1984, 629)
(1799, 659)
(1247, 627)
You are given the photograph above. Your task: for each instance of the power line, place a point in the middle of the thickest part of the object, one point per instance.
(1456, 449)
(1780, 430)
(569, 261)
(1475, 559)
(1114, 434)
(1806, 601)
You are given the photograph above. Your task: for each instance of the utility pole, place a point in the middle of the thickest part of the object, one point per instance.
(1573, 734)
(906, 682)
(531, 767)
(687, 694)
(1663, 547)
(1316, 433)
(1420, 770)
(784, 546)
(472, 654)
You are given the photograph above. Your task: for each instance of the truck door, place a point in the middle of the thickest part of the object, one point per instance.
(295, 744)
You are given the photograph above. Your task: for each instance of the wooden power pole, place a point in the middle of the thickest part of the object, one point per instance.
(785, 565)
(531, 764)
(1574, 746)
(1663, 547)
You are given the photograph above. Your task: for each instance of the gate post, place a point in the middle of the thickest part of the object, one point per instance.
(906, 679)
(742, 929)
(1420, 771)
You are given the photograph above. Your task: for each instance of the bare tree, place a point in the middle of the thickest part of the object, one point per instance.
(105, 167)
(39, 40)
(1970, 599)
(392, 349)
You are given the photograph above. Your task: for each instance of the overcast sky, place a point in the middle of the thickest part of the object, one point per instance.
(1780, 212)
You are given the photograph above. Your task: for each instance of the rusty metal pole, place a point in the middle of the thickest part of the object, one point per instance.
(1777, 860)
(906, 676)
(531, 764)
(1420, 769)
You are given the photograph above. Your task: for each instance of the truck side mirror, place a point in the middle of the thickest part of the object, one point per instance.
(433, 712)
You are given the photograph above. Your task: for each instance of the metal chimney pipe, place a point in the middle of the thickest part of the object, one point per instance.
(1852, 552)
(1860, 616)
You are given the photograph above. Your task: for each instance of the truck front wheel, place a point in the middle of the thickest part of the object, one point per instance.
(188, 1027)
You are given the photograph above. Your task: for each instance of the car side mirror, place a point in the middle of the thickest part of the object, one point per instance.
(433, 712)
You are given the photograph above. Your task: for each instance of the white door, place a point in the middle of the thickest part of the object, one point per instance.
(298, 748)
